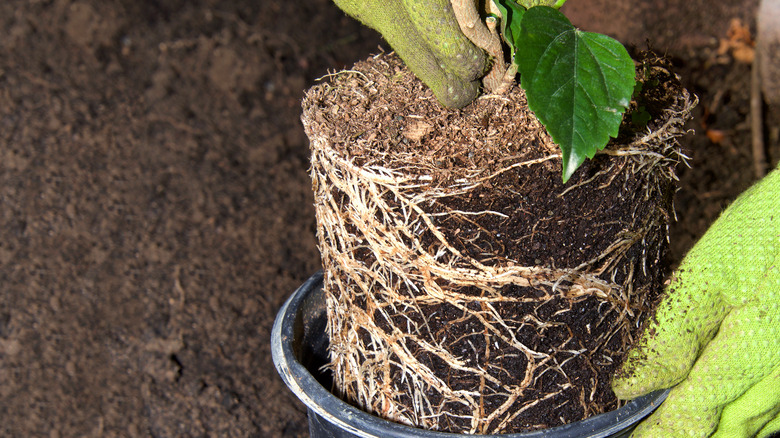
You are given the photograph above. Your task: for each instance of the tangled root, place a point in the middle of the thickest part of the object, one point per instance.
(430, 332)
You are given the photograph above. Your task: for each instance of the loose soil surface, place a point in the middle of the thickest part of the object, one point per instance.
(156, 211)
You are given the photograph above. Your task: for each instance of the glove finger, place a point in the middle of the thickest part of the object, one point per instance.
(437, 25)
(753, 411)
(771, 430)
(685, 320)
(675, 417)
(738, 358)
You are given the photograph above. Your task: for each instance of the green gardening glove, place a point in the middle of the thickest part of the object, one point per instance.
(716, 335)
(428, 39)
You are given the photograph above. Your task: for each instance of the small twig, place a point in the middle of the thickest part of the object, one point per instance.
(475, 30)
(757, 119)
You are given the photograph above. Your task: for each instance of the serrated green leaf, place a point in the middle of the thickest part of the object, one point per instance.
(512, 15)
(578, 83)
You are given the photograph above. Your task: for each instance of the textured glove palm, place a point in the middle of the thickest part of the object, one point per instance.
(716, 335)
(426, 35)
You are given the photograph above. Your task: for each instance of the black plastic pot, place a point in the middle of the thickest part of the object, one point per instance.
(300, 348)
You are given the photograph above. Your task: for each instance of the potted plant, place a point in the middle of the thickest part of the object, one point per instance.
(487, 267)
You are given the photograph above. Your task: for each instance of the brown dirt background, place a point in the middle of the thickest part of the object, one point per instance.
(156, 211)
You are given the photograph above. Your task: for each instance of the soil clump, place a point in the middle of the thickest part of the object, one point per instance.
(470, 289)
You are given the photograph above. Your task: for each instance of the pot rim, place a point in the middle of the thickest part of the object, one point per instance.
(323, 403)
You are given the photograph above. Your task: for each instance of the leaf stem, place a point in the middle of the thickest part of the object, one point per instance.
(475, 30)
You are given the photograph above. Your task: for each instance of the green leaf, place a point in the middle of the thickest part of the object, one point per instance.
(512, 15)
(528, 4)
(641, 117)
(578, 83)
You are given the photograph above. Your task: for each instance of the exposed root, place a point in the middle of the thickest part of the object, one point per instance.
(388, 264)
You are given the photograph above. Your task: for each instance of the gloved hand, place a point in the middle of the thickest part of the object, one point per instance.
(716, 335)
(428, 39)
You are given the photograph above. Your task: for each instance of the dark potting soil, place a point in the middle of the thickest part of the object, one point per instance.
(380, 115)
